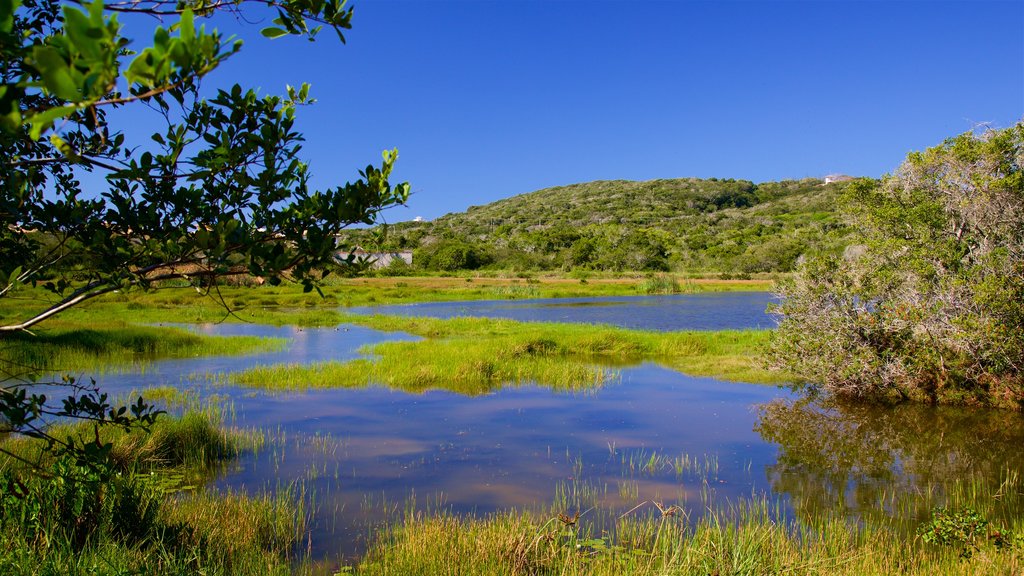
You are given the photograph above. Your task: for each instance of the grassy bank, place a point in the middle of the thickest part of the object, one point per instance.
(477, 355)
(143, 517)
(746, 538)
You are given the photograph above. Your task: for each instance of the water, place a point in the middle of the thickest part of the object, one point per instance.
(652, 434)
(713, 311)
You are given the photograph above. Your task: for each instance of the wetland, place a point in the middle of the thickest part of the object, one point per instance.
(615, 409)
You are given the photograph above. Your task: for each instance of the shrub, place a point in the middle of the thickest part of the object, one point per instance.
(931, 306)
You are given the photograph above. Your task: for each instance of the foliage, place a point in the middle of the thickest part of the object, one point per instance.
(71, 520)
(76, 504)
(963, 529)
(929, 305)
(222, 190)
(30, 415)
(682, 224)
(449, 256)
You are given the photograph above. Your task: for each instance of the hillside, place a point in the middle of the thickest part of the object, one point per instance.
(689, 224)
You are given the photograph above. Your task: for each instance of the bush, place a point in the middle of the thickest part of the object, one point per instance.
(931, 306)
(450, 256)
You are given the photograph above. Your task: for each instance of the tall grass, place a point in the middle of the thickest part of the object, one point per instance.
(748, 537)
(663, 284)
(146, 517)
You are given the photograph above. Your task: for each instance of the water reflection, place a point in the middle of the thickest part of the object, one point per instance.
(373, 448)
(856, 459)
(712, 311)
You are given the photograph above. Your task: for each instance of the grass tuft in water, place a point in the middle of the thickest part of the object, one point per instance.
(479, 355)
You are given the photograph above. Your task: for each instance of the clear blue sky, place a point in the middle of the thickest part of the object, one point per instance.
(487, 99)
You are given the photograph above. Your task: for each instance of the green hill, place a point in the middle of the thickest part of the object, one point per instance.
(688, 225)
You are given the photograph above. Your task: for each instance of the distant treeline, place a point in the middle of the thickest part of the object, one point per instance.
(693, 225)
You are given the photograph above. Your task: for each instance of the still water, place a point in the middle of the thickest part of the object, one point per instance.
(362, 455)
(714, 311)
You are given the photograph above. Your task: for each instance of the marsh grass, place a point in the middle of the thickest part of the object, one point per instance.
(467, 366)
(664, 284)
(190, 447)
(165, 397)
(479, 355)
(114, 346)
(748, 537)
(148, 517)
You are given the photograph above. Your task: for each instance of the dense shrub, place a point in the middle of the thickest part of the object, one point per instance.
(931, 305)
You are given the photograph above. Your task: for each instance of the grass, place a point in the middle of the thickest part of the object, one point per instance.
(478, 355)
(745, 538)
(115, 345)
(147, 518)
(187, 447)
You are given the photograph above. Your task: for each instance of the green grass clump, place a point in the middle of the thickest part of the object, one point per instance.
(478, 355)
(661, 284)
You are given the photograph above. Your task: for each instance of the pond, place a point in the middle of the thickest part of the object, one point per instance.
(651, 434)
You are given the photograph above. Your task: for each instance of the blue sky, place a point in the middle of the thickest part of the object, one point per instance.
(487, 99)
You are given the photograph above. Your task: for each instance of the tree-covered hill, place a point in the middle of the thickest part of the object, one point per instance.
(686, 224)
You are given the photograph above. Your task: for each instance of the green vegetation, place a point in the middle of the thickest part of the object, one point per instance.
(719, 226)
(74, 516)
(116, 345)
(746, 538)
(220, 191)
(930, 305)
(289, 304)
(477, 355)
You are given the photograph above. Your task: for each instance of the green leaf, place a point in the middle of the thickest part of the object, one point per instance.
(78, 28)
(60, 144)
(272, 32)
(43, 120)
(55, 73)
(7, 8)
(186, 27)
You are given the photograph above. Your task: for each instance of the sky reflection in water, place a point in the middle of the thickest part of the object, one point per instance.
(712, 311)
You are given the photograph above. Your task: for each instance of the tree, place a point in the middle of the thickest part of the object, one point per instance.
(930, 304)
(222, 190)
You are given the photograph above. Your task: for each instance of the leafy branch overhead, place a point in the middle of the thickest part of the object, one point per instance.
(220, 190)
